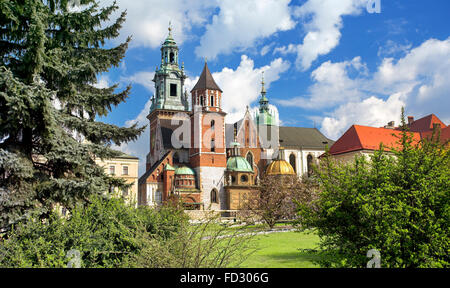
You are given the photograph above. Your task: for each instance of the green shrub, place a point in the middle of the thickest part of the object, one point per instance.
(396, 203)
(107, 233)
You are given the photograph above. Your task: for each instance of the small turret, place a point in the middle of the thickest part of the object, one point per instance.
(264, 116)
(169, 79)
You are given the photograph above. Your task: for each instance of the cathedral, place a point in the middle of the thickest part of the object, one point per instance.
(209, 164)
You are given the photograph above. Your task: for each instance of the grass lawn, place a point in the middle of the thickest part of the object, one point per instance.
(281, 250)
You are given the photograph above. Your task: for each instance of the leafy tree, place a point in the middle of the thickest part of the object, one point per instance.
(107, 233)
(209, 244)
(277, 198)
(50, 57)
(396, 202)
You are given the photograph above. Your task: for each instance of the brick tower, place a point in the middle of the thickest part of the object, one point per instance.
(208, 152)
(169, 102)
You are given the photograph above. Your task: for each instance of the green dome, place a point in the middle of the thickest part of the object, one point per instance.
(184, 170)
(238, 163)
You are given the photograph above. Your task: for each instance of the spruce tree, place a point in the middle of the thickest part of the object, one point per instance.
(51, 55)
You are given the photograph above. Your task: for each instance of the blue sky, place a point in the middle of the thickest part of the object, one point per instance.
(327, 63)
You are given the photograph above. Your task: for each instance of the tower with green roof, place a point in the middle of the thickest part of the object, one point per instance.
(264, 116)
(240, 179)
(169, 79)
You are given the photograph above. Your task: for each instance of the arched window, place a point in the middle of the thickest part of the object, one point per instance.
(250, 159)
(214, 198)
(309, 161)
(172, 57)
(212, 124)
(293, 162)
(213, 146)
(212, 101)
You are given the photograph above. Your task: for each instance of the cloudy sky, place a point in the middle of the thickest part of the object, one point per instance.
(328, 63)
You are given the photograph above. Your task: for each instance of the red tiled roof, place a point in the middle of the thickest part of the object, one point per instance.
(425, 124)
(444, 137)
(368, 138)
(445, 134)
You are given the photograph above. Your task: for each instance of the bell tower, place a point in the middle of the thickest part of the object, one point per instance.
(170, 100)
(169, 79)
(208, 152)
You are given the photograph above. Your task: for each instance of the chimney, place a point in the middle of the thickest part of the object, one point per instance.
(410, 120)
(390, 125)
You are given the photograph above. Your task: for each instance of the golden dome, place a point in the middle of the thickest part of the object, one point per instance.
(280, 167)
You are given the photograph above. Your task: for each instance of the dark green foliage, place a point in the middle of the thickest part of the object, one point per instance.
(50, 58)
(396, 203)
(108, 233)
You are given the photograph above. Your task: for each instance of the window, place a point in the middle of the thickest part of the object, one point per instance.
(250, 159)
(214, 198)
(172, 57)
(292, 162)
(309, 161)
(125, 170)
(213, 146)
(112, 170)
(125, 191)
(176, 158)
(212, 101)
(173, 90)
(201, 100)
(244, 178)
(212, 124)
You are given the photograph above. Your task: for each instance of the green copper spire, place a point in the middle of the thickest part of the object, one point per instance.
(263, 101)
(264, 117)
(169, 79)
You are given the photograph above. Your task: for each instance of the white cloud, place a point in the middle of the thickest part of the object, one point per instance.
(143, 78)
(418, 81)
(237, 24)
(372, 111)
(242, 86)
(391, 49)
(332, 85)
(266, 49)
(102, 82)
(240, 24)
(147, 20)
(322, 24)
